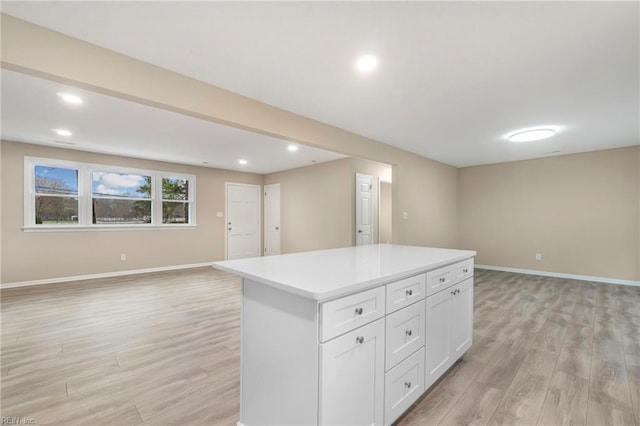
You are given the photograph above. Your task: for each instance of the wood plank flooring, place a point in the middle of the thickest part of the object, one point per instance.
(163, 349)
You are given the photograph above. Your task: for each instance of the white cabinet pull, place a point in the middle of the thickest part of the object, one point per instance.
(359, 311)
(360, 339)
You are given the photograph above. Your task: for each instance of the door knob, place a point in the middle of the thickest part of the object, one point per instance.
(277, 227)
(229, 228)
(359, 231)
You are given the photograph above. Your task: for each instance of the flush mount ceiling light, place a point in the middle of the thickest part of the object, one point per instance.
(70, 98)
(367, 63)
(242, 161)
(292, 148)
(62, 132)
(530, 135)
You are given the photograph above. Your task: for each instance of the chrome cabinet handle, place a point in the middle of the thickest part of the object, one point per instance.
(360, 339)
(408, 332)
(359, 311)
(409, 292)
(407, 384)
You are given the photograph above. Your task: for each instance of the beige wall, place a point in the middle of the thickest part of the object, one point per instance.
(30, 256)
(386, 219)
(428, 192)
(318, 203)
(581, 212)
(315, 210)
(425, 189)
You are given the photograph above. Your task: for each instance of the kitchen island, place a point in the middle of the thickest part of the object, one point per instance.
(349, 336)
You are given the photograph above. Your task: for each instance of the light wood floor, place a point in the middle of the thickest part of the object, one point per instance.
(164, 349)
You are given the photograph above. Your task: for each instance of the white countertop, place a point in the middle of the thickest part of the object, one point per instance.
(326, 274)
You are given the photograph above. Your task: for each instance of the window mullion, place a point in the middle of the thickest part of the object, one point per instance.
(156, 199)
(84, 197)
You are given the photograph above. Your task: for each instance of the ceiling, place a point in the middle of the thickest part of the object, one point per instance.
(454, 77)
(105, 124)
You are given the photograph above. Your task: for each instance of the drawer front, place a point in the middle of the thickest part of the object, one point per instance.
(462, 270)
(347, 313)
(405, 292)
(403, 385)
(439, 279)
(405, 333)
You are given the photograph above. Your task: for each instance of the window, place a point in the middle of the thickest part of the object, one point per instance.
(71, 195)
(56, 195)
(175, 200)
(120, 198)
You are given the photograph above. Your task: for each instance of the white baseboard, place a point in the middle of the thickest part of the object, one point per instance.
(102, 275)
(560, 275)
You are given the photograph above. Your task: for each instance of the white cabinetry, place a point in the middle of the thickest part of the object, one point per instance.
(449, 318)
(438, 336)
(324, 343)
(352, 377)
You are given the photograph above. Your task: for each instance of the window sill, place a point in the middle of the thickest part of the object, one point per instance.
(75, 228)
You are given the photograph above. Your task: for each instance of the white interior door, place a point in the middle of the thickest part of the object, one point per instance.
(272, 219)
(243, 220)
(364, 209)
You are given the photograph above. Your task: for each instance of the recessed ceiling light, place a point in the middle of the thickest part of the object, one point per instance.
(70, 98)
(242, 161)
(530, 135)
(367, 63)
(292, 148)
(62, 132)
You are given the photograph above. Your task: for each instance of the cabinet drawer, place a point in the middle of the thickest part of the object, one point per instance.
(405, 333)
(462, 270)
(405, 292)
(347, 313)
(403, 385)
(439, 279)
(444, 277)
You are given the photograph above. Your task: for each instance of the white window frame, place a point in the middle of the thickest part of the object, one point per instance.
(85, 196)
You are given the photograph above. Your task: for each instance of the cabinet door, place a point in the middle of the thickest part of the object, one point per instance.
(405, 333)
(438, 335)
(352, 377)
(461, 317)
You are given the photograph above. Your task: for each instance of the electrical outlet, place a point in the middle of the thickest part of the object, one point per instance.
(538, 256)
(123, 256)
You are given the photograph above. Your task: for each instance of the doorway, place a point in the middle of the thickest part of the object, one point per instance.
(272, 219)
(364, 209)
(242, 220)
